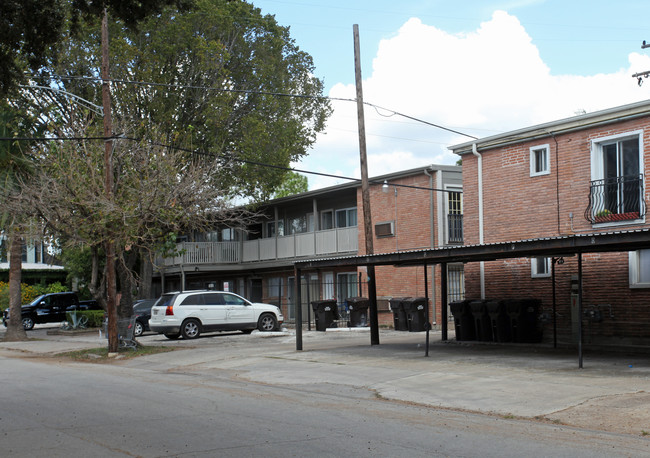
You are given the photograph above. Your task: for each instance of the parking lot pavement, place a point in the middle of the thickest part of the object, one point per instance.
(610, 392)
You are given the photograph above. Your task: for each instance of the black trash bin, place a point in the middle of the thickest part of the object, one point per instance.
(400, 322)
(530, 329)
(358, 311)
(463, 320)
(325, 312)
(524, 325)
(415, 309)
(499, 321)
(482, 322)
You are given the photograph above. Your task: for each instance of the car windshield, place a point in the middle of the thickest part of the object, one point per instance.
(37, 300)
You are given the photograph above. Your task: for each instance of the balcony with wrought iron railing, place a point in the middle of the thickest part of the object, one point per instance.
(319, 243)
(454, 228)
(616, 199)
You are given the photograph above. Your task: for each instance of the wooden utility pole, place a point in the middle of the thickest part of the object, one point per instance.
(111, 286)
(365, 193)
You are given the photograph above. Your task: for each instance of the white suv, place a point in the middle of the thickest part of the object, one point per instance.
(192, 312)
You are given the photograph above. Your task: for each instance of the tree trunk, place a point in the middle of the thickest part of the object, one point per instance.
(15, 330)
(127, 283)
(97, 282)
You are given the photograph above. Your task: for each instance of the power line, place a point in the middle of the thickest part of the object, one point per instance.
(274, 94)
(214, 155)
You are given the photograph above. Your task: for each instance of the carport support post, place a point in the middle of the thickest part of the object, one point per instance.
(580, 310)
(373, 315)
(443, 301)
(298, 310)
(426, 310)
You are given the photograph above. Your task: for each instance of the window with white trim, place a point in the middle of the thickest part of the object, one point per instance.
(617, 178)
(540, 267)
(639, 271)
(540, 160)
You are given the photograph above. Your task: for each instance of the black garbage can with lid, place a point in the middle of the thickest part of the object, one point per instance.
(358, 311)
(463, 320)
(499, 321)
(400, 322)
(524, 325)
(415, 309)
(482, 322)
(325, 313)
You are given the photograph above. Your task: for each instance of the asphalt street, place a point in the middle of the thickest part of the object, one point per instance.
(235, 395)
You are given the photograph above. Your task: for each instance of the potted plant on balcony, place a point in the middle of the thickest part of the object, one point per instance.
(603, 216)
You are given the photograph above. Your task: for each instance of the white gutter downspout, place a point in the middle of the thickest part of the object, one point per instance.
(480, 213)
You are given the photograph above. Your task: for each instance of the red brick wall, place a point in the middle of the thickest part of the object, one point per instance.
(410, 209)
(518, 206)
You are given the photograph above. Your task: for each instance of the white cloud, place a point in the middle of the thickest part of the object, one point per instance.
(487, 81)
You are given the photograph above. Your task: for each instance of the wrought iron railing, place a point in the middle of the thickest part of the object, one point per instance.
(454, 228)
(616, 199)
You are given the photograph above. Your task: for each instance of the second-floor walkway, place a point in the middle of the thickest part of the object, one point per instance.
(309, 244)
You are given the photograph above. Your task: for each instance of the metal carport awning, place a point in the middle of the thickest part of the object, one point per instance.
(567, 245)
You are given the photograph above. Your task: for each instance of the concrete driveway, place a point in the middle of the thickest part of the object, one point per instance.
(611, 392)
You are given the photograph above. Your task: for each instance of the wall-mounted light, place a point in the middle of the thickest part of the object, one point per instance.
(384, 187)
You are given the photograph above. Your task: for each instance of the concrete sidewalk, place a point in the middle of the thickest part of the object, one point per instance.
(611, 392)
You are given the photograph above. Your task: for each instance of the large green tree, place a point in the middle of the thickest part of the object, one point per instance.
(220, 78)
(204, 97)
(31, 30)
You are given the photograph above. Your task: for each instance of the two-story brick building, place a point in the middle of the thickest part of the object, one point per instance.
(411, 209)
(576, 176)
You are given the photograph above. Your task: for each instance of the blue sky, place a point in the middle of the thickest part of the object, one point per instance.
(480, 67)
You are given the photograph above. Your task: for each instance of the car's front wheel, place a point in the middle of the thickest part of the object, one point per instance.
(267, 322)
(191, 329)
(138, 329)
(28, 323)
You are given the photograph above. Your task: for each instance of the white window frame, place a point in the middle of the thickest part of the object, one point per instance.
(597, 168)
(533, 160)
(597, 172)
(635, 271)
(534, 272)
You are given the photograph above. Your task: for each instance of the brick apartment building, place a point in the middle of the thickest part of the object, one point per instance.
(411, 210)
(581, 175)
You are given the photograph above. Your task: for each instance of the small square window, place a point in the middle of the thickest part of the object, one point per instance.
(540, 267)
(540, 160)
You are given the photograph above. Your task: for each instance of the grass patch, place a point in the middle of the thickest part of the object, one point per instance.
(101, 354)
